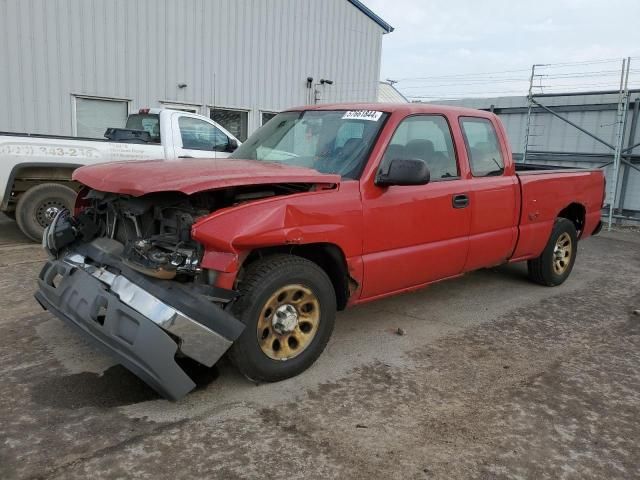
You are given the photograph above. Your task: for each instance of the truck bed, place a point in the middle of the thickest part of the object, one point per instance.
(121, 138)
(539, 167)
(543, 190)
(43, 135)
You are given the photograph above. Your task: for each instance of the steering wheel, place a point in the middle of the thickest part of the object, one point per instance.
(325, 160)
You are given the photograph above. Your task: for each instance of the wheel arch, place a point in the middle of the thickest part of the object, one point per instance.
(327, 256)
(576, 213)
(34, 173)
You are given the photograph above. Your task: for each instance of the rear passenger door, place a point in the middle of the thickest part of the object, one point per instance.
(493, 191)
(416, 234)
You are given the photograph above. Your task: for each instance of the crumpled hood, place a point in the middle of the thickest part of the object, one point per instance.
(192, 175)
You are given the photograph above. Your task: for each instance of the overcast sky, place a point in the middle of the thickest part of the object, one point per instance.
(466, 41)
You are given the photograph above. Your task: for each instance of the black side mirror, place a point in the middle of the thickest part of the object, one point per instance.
(409, 171)
(232, 145)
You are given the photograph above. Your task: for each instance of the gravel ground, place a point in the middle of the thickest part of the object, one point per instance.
(495, 378)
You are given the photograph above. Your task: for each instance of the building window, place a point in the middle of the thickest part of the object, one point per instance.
(266, 116)
(235, 121)
(95, 115)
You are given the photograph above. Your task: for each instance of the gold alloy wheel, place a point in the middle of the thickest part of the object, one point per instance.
(562, 253)
(288, 322)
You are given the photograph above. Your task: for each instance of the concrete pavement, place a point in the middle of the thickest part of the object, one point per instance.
(495, 378)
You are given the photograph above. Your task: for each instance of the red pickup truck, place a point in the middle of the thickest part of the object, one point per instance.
(322, 208)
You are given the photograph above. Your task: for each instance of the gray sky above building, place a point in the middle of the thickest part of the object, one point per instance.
(468, 39)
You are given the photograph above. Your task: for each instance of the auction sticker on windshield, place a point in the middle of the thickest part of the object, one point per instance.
(372, 115)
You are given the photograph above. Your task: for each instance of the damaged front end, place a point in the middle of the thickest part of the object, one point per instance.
(125, 271)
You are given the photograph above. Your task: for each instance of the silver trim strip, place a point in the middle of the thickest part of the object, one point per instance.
(197, 341)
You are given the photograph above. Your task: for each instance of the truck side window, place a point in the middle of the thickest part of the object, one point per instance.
(426, 137)
(199, 135)
(485, 155)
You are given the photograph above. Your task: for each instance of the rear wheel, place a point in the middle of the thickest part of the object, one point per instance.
(554, 266)
(38, 206)
(288, 305)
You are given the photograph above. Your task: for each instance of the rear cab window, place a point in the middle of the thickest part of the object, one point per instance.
(483, 147)
(149, 122)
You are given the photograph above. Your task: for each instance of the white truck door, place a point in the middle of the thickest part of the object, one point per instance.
(197, 137)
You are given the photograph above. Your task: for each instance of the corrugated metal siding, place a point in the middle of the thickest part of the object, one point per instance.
(387, 93)
(249, 54)
(549, 133)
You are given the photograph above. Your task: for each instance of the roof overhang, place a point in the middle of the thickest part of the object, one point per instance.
(370, 13)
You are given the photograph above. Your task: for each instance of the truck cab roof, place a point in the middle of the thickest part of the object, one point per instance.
(403, 108)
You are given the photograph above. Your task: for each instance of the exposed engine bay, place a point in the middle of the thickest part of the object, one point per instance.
(154, 229)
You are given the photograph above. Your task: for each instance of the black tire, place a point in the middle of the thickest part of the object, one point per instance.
(262, 280)
(551, 269)
(31, 211)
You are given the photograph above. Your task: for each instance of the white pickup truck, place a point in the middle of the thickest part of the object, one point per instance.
(35, 170)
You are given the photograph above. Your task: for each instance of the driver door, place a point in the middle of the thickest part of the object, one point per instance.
(414, 235)
(197, 138)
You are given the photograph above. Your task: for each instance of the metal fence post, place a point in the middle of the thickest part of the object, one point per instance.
(621, 116)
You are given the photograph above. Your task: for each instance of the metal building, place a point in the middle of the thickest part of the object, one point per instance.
(74, 67)
(554, 141)
(387, 93)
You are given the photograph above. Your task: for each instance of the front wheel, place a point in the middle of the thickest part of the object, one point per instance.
(555, 263)
(288, 305)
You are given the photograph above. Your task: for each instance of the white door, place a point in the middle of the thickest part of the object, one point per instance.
(199, 138)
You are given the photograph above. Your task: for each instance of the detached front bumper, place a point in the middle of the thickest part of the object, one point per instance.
(142, 322)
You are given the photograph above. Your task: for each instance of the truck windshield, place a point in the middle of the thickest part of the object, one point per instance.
(329, 141)
(149, 122)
